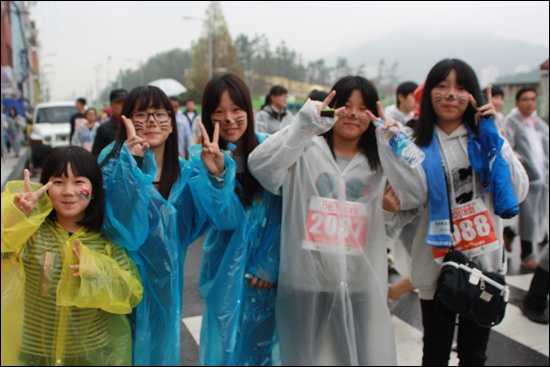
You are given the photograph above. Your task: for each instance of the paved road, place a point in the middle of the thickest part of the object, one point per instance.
(515, 342)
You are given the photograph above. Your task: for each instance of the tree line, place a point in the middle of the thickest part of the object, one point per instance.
(249, 58)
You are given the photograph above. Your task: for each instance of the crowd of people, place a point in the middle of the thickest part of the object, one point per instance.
(297, 212)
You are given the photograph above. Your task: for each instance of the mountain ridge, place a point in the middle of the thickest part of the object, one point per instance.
(416, 52)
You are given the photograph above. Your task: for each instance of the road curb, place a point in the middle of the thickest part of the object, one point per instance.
(16, 170)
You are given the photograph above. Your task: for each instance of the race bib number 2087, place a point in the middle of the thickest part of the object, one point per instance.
(328, 230)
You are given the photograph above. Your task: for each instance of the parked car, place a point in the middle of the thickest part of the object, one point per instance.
(51, 127)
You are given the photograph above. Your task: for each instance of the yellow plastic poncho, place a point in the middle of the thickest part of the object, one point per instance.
(50, 317)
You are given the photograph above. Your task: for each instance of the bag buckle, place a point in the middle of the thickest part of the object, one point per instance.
(474, 277)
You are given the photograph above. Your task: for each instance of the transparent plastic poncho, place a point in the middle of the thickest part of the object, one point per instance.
(50, 317)
(238, 324)
(332, 296)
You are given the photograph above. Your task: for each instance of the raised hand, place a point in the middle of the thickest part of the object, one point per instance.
(338, 112)
(137, 146)
(259, 283)
(25, 201)
(76, 253)
(388, 122)
(390, 201)
(211, 155)
(487, 109)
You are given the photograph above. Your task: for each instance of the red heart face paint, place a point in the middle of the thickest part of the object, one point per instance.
(84, 193)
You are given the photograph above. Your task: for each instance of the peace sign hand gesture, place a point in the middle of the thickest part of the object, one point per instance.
(25, 201)
(211, 155)
(487, 109)
(337, 113)
(76, 253)
(388, 122)
(135, 144)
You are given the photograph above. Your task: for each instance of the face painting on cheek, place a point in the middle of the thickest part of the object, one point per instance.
(463, 99)
(84, 193)
(138, 125)
(165, 125)
(438, 96)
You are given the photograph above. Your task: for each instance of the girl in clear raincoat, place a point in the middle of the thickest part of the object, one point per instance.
(240, 263)
(66, 288)
(151, 212)
(332, 293)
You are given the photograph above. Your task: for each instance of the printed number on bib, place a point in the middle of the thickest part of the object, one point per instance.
(474, 232)
(328, 230)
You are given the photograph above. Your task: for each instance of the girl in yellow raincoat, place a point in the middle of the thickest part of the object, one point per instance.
(66, 288)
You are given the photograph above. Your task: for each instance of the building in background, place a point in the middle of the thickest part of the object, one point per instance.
(19, 56)
(537, 79)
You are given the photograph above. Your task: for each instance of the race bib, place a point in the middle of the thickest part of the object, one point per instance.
(474, 232)
(79, 121)
(326, 231)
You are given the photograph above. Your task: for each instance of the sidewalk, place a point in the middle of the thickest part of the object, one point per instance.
(12, 168)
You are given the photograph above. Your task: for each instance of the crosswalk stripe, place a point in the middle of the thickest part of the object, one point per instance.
(518, 328)
(193, 324)
(521, 281)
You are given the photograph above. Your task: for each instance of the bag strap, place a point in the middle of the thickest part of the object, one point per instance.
(476, 275)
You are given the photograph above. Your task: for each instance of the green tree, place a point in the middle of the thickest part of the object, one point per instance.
(223, 51)
(318, 73)
(342, 68)
(170, 64)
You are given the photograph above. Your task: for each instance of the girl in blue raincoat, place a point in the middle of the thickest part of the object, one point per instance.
(240, 266)
(151, 212)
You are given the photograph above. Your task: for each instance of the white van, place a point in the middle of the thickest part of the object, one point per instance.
(51, 126)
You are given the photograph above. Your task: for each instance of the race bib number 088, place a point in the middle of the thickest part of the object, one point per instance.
(328, 230)
(474, 232)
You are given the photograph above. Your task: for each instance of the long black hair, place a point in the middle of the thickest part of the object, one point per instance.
(276, 90)
(141, 99)
(465, 76)
(83, 163)
(367, 143)
(240, 95)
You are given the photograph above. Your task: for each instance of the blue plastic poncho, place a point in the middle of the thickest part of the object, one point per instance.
(238, 324)
(484, 154)
(156, 233)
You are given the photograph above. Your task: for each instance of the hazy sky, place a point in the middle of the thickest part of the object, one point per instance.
(83, 45)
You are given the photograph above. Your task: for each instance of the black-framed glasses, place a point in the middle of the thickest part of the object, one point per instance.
(159, 116)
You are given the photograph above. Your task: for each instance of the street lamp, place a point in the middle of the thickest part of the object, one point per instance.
(210, 51)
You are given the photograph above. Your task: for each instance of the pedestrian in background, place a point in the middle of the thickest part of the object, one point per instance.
(528, 136)
(405, 104)
(84, 135)
(16, 126)
(79, 117)
(535, 303)
(108, 131)
(184, 129)
(273, 116)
